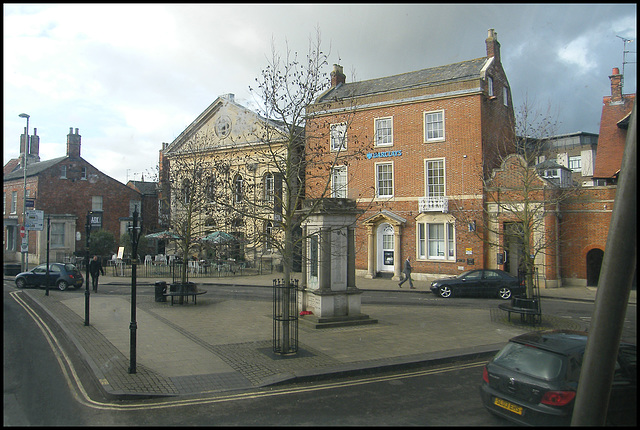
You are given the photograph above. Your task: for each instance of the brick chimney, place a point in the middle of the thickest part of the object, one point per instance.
(34, 146)
(337, 77)
(493, 46)
(616, 86)
(73, 144)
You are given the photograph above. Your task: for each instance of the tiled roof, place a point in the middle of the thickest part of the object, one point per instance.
(34, 169)
(450, 73)
(612, 136)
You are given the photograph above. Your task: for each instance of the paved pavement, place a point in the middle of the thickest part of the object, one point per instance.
(225, 343)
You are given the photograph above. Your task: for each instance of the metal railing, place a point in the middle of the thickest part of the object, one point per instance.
(433, 204)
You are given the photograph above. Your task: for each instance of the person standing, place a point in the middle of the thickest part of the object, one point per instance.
(407, 274)
(95, 268)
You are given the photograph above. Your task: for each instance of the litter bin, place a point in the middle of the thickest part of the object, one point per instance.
(161, 288)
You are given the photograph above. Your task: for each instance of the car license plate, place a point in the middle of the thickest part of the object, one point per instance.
(508, 406)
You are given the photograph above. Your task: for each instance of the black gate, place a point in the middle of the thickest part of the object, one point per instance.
(285, 317)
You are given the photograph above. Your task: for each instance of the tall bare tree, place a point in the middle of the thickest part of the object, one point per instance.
(522, 201)
(187, 183)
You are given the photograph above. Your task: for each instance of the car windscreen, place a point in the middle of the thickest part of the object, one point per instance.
(529, 360)
(70, 268)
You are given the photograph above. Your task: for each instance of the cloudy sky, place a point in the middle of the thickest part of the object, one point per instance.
(130, 77)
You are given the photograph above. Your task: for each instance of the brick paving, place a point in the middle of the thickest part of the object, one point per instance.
(225, 344)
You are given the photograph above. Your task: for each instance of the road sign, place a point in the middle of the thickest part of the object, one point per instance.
(24, 246)
(22, 231)
(35, 220)
(30, 203)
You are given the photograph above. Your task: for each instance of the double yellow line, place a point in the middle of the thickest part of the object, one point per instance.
(80, 394)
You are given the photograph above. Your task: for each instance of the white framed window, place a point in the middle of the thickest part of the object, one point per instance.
(96, 203)
(83, 173)
(505, 96)
(339, 182)
(436, 241)
(490, 86)
(57, 235)
(434, 178)
(14, 202)
(4, 203)
(237, 189)
(384, 180)
(269, 187)
(63, 172)
(268, 236)
(338, 136)
(384, 131)
(575, 163)
(434, 126)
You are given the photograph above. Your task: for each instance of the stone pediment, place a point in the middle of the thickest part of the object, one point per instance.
(385, 215)
(226, 124)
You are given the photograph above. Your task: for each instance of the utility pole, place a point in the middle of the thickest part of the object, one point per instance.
(25, 254)
(87, 294)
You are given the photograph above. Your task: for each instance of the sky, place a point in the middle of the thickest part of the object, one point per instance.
(132, 76)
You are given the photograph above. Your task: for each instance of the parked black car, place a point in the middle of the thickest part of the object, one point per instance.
(480, 282)
(534, 378)
(61, 275)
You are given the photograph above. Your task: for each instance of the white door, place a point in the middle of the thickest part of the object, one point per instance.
(386, 251)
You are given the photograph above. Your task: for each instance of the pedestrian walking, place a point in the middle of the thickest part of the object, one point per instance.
(95, 268)
(407, 274)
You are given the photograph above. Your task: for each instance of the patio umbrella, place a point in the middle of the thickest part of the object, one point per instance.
(218, 237)
(166, 234)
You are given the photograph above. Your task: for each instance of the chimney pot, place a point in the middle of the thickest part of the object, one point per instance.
(337, 77)
(616, 71)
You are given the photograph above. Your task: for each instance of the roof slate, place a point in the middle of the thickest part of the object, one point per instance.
(450, 73)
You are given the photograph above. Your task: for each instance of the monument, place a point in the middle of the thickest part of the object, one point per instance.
(328, 295)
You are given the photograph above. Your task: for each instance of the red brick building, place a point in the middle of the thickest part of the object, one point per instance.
(413, 150)
(66, 189)
(426, 139)
(586, 219)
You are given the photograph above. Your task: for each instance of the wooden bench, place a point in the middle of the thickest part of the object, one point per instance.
(185, 294)
(528, 309)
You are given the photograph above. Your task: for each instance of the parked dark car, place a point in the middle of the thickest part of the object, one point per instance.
(61, 275)
(534, 378)
(480, 282)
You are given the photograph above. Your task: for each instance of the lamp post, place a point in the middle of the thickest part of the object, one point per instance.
(134, 231)
(87, 293)
(24, 196)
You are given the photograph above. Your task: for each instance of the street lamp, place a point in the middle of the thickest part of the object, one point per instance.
(134, 231)
(24, 196)
(87, 294)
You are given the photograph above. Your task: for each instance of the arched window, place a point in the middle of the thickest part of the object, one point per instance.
(269, 186)
(268, 235)
(238, 186)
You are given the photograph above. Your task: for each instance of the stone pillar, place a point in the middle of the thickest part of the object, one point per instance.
(397, 261)
(305, 262)
(324, 271)
(371, 253)
(351, 257)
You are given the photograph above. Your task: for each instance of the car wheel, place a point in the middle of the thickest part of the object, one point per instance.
(21, 283)
(62, 285)
(445, 292)
(504, 293)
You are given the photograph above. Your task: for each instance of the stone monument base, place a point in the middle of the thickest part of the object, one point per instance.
(332, 322)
